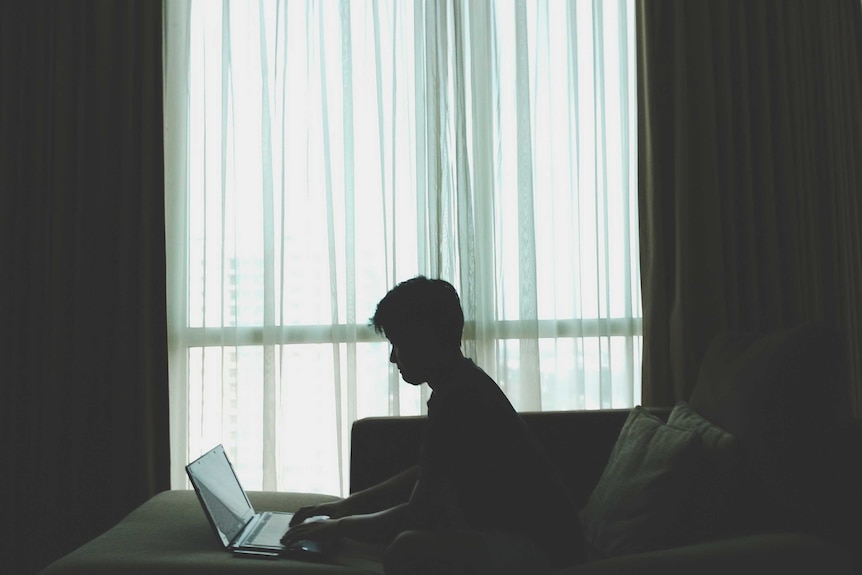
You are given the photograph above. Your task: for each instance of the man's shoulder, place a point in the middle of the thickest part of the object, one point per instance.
(474, 396)
(472, 377)
(470, 380)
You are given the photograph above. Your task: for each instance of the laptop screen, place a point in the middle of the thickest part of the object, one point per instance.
(221, 493)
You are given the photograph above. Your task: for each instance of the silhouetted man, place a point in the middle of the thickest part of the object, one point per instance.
(483, 497)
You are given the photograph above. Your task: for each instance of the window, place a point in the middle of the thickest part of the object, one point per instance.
(317, 153)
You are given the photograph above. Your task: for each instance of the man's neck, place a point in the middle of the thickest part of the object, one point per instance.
(442, 376)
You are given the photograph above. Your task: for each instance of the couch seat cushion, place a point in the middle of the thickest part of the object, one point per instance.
(170, 534)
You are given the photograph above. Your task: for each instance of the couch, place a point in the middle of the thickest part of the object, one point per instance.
(786, 501)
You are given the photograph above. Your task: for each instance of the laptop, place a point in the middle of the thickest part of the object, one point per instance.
(240, 529)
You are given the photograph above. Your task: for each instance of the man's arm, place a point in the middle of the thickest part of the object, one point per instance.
(388, 494)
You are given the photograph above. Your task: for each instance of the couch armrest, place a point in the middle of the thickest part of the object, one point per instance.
(785, 553)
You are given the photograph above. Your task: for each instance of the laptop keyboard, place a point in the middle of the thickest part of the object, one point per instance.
(269, 530)
(264, 519)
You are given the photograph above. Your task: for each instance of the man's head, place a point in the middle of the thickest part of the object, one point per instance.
(423, 320)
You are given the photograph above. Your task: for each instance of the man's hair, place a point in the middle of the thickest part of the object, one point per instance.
(420, 304)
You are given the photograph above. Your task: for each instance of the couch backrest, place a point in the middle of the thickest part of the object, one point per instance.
(783, 395)
(579, 443)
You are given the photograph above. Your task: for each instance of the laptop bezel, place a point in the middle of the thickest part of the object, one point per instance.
(219, 450)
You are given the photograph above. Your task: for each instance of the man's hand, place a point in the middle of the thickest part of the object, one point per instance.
(380, 527)
(332, 509)
(315, 530)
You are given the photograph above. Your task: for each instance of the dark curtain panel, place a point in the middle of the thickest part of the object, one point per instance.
(750, 171)
(83, 354)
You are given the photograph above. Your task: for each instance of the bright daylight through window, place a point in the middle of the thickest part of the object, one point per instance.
(319, 152)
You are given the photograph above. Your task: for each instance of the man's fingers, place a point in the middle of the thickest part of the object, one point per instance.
(302, 515)
(295, 535)
(292, 536)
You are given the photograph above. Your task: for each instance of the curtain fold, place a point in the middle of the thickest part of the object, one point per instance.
(83, 344)
(750, 131)
(320, 152)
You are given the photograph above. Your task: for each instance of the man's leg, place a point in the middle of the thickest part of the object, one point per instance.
(430, 553)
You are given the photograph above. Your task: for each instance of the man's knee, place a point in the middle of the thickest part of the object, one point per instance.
(403, 553)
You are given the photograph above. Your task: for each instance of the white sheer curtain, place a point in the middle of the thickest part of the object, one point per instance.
(319, 152)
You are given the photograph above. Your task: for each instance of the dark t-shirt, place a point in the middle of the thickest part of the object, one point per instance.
(480, 460)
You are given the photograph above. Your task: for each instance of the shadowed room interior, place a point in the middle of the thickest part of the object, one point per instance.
(750, 184)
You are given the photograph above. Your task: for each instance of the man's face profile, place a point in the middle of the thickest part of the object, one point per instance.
(416, 353)
(409, 361)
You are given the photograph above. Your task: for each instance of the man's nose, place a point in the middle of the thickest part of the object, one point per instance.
(392, 356)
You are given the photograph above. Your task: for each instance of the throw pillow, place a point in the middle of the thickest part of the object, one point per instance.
(642, 490)
(712, 509)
